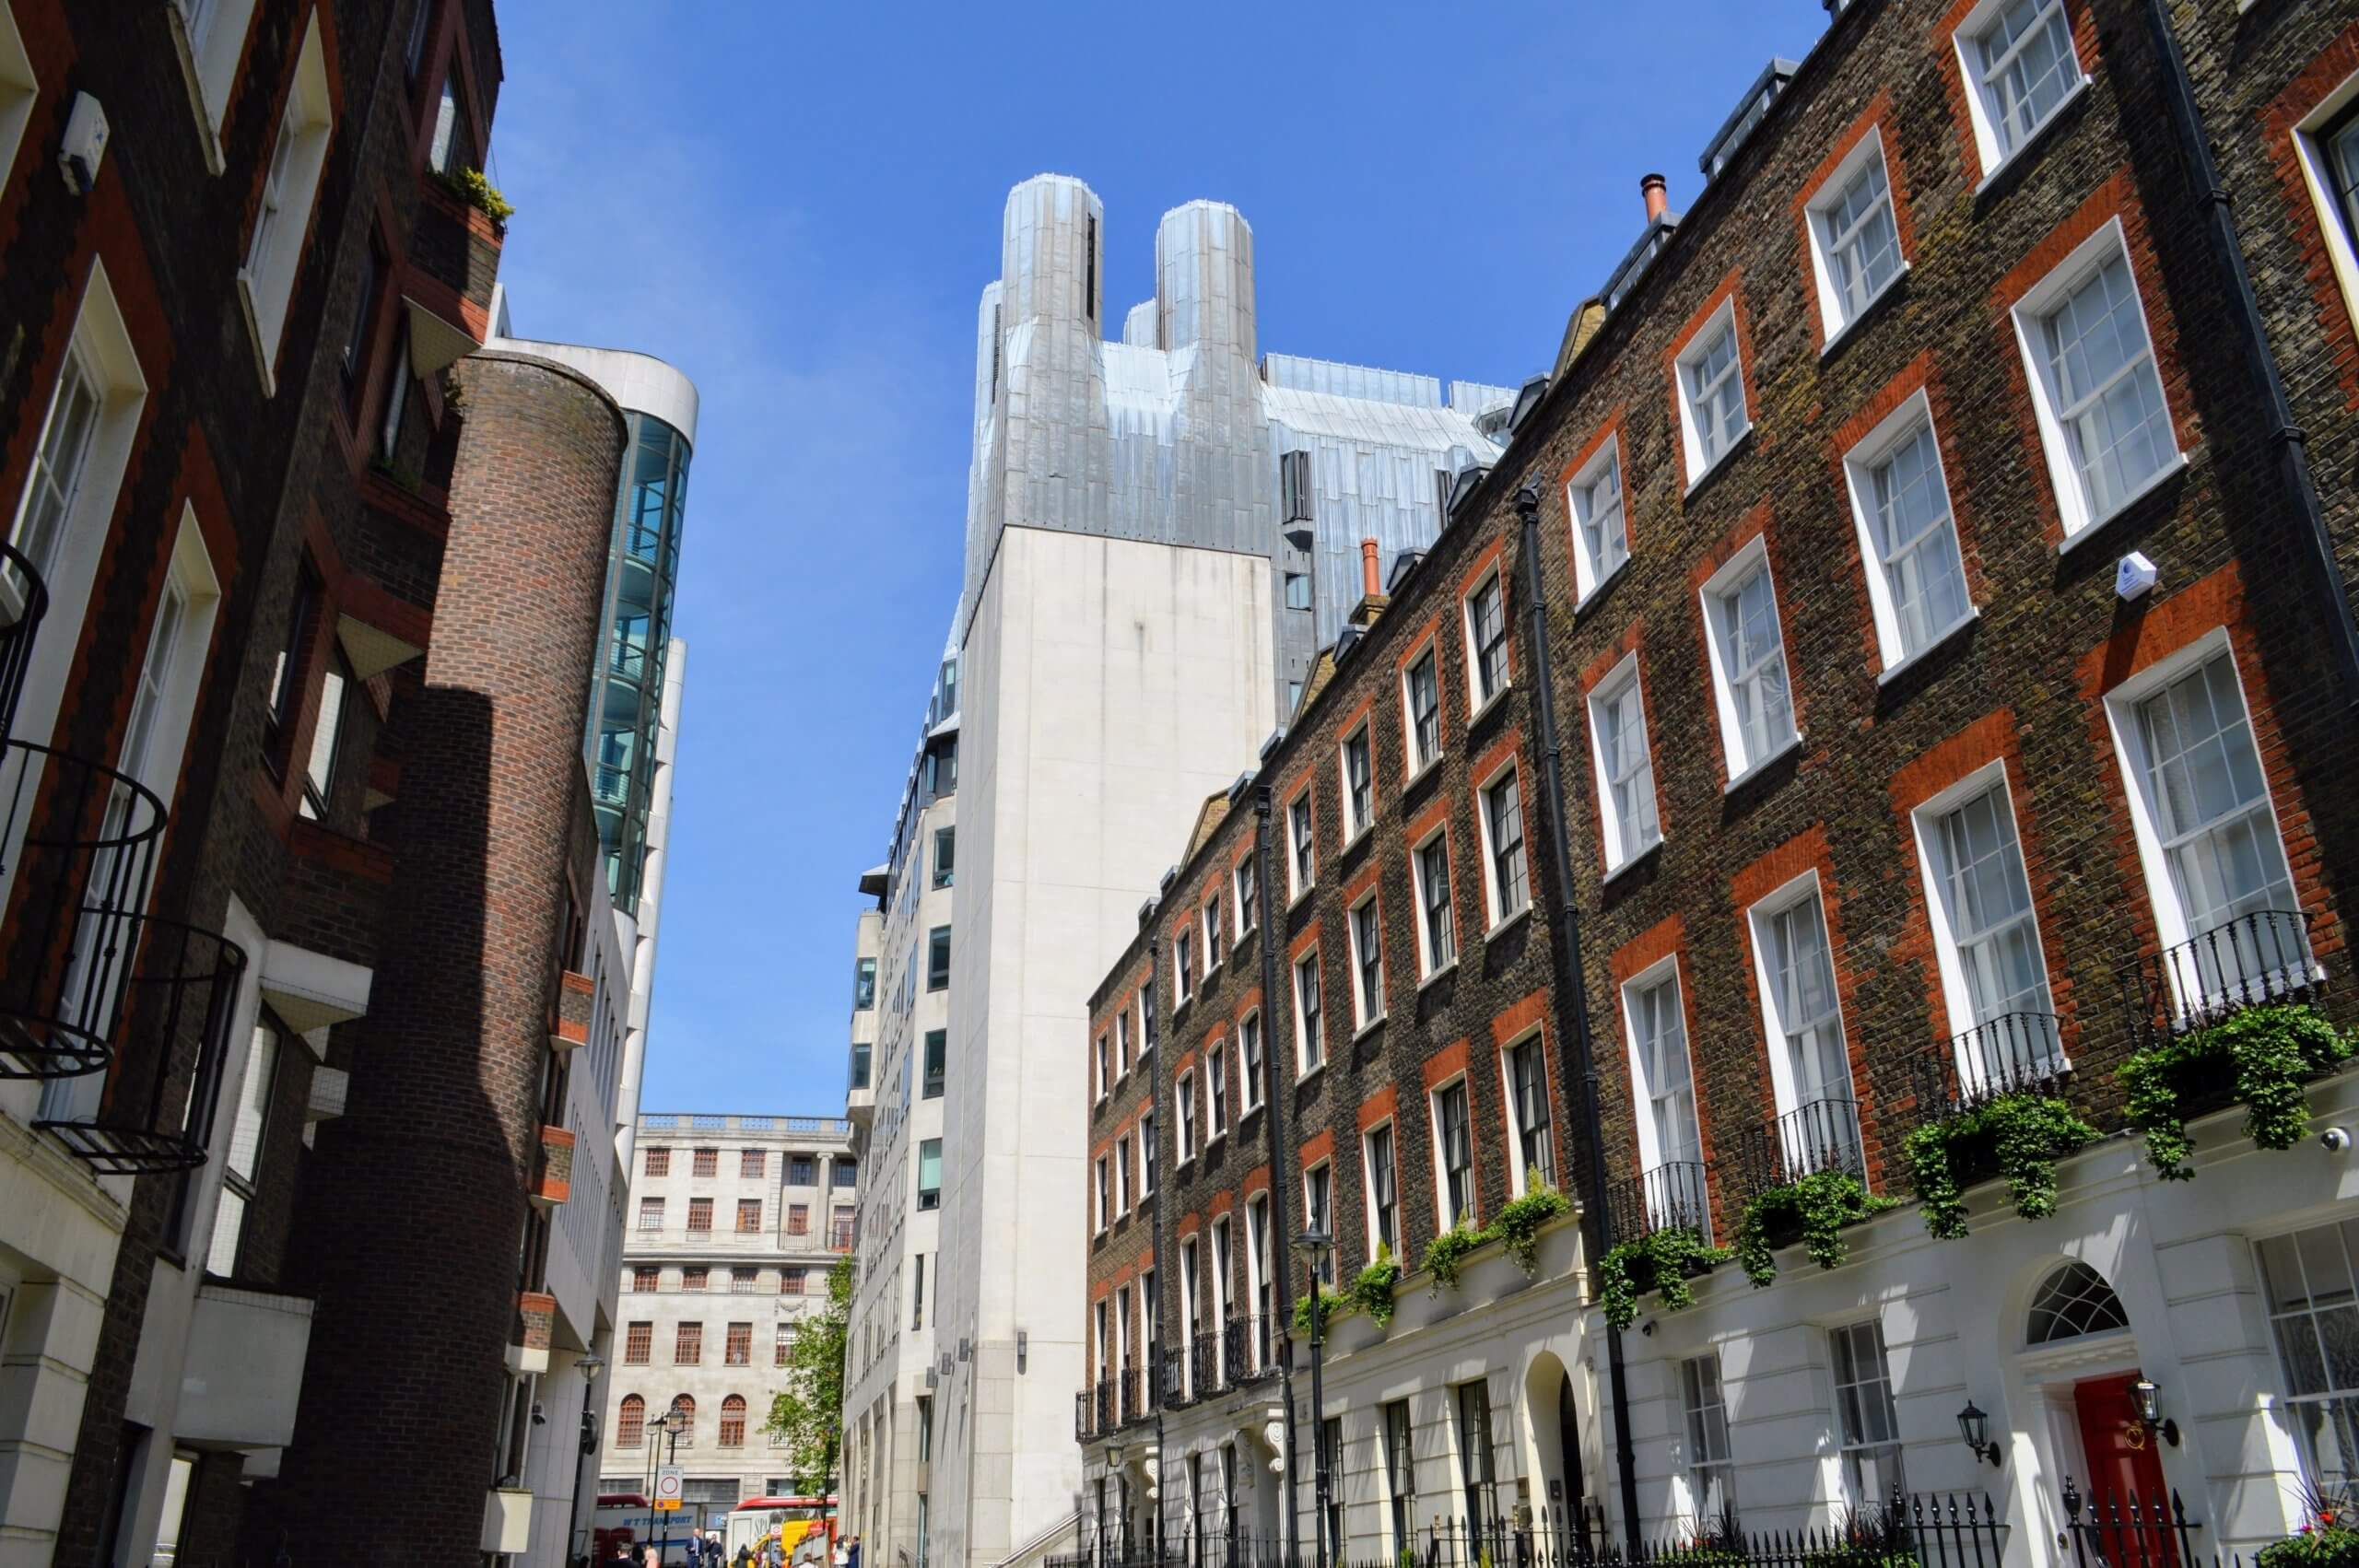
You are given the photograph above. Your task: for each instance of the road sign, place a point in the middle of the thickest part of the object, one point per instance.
(667, 1486)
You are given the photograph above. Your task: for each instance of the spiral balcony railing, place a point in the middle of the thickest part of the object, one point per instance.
(2011, 1054)
(1820, 1136)
(2254, 958)
(85, 839)
(24, 602)
(179, 990)
(1672, 1196)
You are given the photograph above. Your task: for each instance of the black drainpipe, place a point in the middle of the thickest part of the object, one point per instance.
(1573, 991)
(2285, 437)
(1162, 1264)
(1281, 1253)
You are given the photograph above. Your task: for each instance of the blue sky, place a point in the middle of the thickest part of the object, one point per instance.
(798, 205)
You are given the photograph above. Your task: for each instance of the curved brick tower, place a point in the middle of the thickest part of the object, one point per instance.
(419, 1228)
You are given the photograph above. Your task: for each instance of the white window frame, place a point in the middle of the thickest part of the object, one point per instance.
(1216, 1091)
(1644, 1090)
(2029, 315)
(1608, 692)
(1854, 1448)
(1428, 969)
(1593, 571)
(2171, 921)
(1215, 929)
(1121, 1176)
(1835, 314)
(1224, 1255)
(19, 88)
(1694, 352)
(1518, 1168)
(2314, 156)
(1957, 995)
(1244, 888)
(1494, 906)
(1303, 1015)
(1421, 761)
(1144, 1134)
(1376, 1238)
(209, 37)
(1964, 43)
(1443, 1217)
(1478, 700)
(1302, 837)
(1184, 1090)
(1249, 1063)
(1871, 452)
(283, 221)
(99, 346)
(1698, 1406)
(1105, 1067)
(1759, 916)
(1724, 583)
(1105, 1191)
(1365, 1017)
(1184, 966)
(1357, 824)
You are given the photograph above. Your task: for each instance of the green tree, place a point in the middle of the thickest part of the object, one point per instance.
(808, 1413)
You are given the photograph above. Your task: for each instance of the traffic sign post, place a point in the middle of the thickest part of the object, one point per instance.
(667, 1486)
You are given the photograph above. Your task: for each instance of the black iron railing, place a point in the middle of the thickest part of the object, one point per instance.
(1132, 1402)
(1249, 1349)
(1673, 1196)
(1948, 1530)
(24, 600)
(2263, 957)
(2010, 1054)
(1104, 1421)
(1174, 1389)
(1081, 1416)
(2129, 1531)
(1203, 1364)
(85, 839)
(180, 989)
(1820, 1136)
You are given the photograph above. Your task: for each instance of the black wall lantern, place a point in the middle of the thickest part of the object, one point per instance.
(2149, 1400)
(1975, 1427)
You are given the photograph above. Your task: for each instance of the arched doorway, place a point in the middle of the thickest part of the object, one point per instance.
(1555, 1434)
(2078, 1346)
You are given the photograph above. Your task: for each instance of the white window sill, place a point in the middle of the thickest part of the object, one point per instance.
(1210, 970)
(2097, 524)
(1601, 584)
(1300, 893)
(1842, 334)
(1492, 934)
(1696, 481)
(1370, 1027)
(1893, 670)
(1484, 711)
(1184, 1162)
(2038, 134)
(1213, 1143)
(1304, 1075)
(1433, 975)
(251, 309)
(1742, 780)
(1419, 776)
(1632, 864)
(1362, 832)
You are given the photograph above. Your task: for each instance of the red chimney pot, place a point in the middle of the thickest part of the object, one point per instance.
(1657, 197)
(1368, 577)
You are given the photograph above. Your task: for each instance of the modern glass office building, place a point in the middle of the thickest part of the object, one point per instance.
(626, 691)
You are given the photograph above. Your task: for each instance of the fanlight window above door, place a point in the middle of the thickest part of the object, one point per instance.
(2072, 1302)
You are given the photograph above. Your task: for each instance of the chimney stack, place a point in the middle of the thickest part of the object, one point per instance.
(1373, 598)
(1657, 199)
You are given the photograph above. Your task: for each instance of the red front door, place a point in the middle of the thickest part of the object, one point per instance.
(2125, 1492)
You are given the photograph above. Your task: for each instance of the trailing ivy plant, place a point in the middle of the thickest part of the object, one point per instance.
(1333, 1306)
(2027, 1133)
(1517, 1227)
(1663, 1261)
(1447, 1253)
(1372, 1291)
(2266, 1053)
(1819, 1206)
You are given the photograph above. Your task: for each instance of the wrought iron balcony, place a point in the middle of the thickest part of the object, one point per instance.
(1203, 1364)
(1172, 1389)
(1823, 1135)
(1672, 1196)
(1081, 1403)
(179, 988)
(1103, 1420)
(2255, 958)
(2011, 1054)
(24, 600)
(1249, 1350)
(85, 839)
(1132, 1398)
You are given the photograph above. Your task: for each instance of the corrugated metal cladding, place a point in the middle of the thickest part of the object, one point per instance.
(1171, 430)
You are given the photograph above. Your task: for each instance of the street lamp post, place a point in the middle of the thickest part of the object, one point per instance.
(589, 1366)
(1314, 1244)
(673, 1423)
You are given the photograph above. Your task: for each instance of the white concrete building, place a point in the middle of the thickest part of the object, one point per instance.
(1162, 529)
(736, 1221)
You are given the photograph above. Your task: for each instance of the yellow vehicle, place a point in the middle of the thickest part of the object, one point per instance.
(787, 1520)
